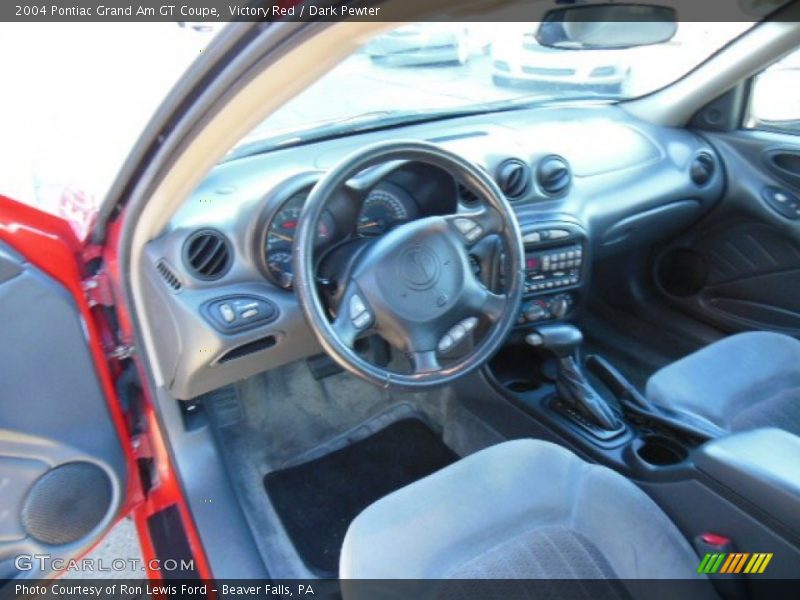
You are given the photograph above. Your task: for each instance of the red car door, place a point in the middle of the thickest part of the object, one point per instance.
(79, 446)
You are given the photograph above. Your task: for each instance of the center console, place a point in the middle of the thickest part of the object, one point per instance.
(763, 467)
(555, 269)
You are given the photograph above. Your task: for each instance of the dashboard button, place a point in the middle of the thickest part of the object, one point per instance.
(356, 306)
(468, 228)
(464, 225)
(470, 323)
(362, 320)
(474, 233)
(457, 333)
(230, 314)
(782, 202)
(226, 312)
(445, 343)
(532, 238)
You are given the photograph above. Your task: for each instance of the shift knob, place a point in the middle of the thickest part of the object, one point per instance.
(562, 339)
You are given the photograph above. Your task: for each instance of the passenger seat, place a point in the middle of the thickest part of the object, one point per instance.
(742, 382)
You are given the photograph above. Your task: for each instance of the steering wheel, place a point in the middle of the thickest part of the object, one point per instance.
(414, 285)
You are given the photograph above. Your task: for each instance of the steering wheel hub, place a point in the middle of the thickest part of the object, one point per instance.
(419, 267)
(415, 272)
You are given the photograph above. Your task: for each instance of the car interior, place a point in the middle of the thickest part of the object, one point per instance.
(357, 328)
(444, 349)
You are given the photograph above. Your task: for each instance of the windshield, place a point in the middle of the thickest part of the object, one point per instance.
(432, 68)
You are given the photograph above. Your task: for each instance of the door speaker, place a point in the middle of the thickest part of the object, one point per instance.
(681, 272)
(67, 503)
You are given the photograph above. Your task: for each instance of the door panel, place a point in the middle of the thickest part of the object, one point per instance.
(739, 269)
(63, 470)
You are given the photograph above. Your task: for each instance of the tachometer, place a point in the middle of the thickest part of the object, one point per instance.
(280, 236)
(384, 208)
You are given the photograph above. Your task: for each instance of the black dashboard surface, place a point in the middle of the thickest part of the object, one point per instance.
(624, 182)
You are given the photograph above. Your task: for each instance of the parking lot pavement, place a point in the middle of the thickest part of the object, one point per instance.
(121, 544)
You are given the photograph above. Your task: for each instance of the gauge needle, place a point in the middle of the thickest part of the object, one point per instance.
(370, 224)
(281, 236)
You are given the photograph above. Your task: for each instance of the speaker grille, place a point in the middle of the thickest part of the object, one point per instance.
(169, 276)
(66, 503)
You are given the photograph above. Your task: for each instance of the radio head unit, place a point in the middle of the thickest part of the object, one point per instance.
(554, 257)
(553, 268)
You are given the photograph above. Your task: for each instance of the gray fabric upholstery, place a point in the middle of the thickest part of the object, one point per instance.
(524, 508)
(546, 553)
(742, 382)
(781, 410)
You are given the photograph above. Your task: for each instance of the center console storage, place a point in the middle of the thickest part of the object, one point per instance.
(762, 467)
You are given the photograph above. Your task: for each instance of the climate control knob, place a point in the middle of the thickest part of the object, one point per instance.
(536, 312)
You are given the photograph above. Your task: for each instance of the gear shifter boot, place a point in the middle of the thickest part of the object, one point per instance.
(575, 391)
(563, 340)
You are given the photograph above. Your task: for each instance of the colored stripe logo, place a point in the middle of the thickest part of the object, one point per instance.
(734, 562)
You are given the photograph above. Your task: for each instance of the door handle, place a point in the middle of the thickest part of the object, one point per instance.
(785, 163)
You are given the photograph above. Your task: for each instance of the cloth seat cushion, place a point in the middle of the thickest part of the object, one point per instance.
(742, 382)
(520, 509)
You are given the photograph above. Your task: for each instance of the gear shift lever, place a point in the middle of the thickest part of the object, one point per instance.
(563, 340)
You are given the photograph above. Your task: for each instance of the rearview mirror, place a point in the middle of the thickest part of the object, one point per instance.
(607, 26)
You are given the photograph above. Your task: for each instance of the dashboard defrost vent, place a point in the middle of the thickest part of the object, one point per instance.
(467, 196)
(553, 175)
(702, 169)
(168, 276)
(514, 178)
(207, 254)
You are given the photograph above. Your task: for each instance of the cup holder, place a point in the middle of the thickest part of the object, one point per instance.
(516, 368)
(520, 386)
(661, 451)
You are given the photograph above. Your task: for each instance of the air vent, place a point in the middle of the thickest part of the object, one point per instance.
(514, 178)
(249, 348)
(467, 196)
(702, 169)
(168, 276)
(553, 175)
(207, 254)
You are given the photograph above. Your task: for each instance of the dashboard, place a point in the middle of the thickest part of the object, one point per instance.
(585, 183)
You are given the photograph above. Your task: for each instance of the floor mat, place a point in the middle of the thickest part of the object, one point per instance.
(317, 500)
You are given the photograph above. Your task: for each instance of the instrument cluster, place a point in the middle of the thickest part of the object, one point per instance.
(385, 207)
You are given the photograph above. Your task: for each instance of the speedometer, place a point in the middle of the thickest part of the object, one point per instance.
(384, 208)
(280, 236)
